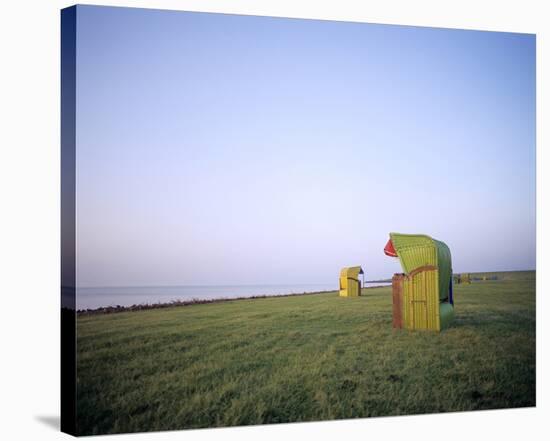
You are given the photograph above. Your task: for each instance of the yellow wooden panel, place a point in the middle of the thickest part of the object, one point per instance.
(421, 302)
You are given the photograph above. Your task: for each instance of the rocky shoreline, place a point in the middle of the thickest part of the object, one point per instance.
(177, 303)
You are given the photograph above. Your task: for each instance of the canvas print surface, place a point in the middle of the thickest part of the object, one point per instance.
(271, 220)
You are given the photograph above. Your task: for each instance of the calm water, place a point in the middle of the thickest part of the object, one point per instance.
(92, 298)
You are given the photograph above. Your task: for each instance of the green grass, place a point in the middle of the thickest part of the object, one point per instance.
(304, 358)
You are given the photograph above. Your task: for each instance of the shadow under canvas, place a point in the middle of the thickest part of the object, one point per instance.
(52, 421)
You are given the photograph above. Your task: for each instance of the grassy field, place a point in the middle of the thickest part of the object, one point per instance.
(304, 358)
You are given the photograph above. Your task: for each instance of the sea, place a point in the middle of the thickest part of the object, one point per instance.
(99, 297)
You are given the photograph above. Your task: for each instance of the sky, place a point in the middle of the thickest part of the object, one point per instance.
(224, 149)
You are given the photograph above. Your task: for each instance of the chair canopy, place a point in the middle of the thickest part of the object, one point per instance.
(351, 272)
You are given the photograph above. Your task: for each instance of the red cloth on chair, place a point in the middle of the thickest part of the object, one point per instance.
(389, 250)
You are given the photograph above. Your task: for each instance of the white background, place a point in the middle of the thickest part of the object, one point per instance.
(29, 216)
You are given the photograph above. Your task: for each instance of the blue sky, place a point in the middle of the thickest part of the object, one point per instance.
(225, 149)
